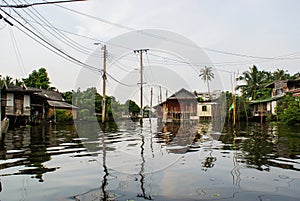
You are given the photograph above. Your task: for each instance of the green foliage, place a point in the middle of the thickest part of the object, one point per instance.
(288, 110)
(90, 103)
(68, 96)
(133, 108)
(255, 81)
(38, 79)
(61, 115)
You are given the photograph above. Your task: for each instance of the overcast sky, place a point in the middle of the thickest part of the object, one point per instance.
(263, 29)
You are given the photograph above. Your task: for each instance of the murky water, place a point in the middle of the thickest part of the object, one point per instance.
(150, 162)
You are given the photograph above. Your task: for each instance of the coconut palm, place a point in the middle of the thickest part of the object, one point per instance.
(281, 75)
(206, 75)
(255, 80)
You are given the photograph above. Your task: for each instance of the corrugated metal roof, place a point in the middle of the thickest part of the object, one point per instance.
(50, 95)
(60, 104)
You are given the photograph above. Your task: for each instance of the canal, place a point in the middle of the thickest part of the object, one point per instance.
(150, 161)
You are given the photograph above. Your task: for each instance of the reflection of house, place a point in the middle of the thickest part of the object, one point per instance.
(182, 105)
(207, 110)
(279, 88)
(45, 103)
(18, 101)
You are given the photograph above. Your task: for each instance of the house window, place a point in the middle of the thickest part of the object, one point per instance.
(204, 108)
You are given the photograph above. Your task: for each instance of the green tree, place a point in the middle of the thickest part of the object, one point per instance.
(280, 75)
(206, 75)
(255, 81)
(38, 79)
(288, 109)
(132, 107)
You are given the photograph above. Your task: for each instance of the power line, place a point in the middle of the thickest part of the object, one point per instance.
(37, 4)
(55, 49)
(260, 60)
(166, 38)
(35, 15)
(17, 51)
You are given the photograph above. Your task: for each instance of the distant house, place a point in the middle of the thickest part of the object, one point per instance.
(182, 105)
(17, 104)
(45, 103)
(262, 108)
(205, 96)
(207, 110)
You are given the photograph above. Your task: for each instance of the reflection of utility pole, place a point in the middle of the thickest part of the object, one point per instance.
(141, 74)
(104, 84)
(104, 181)
(142, 180)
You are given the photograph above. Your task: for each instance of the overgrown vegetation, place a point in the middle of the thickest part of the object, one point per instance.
(288, 110)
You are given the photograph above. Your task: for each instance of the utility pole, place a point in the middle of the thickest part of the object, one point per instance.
(104, 84)
(141, 74)
(151, 95)
(234, 100)
(160, 95)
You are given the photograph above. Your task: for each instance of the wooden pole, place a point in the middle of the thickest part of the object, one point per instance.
(234, 100)
(104, 85)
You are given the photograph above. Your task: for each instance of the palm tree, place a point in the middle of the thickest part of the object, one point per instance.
(207, 75)
(280, 75)
(254, 81)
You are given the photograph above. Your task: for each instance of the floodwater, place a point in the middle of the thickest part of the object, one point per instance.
(150, 161)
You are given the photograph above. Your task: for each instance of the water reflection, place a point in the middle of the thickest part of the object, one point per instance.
(29, 149)
(133, 161)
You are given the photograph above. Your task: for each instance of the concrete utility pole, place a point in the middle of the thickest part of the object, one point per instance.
(141, 74)
(104, 84)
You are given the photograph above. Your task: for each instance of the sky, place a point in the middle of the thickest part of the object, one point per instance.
(229, 36)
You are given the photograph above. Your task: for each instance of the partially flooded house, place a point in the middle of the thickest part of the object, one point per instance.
(182, 105)
(21, 104)
(17, 104)
(45, 104)
(265, 107)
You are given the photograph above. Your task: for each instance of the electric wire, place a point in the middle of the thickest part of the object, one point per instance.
(166, 38)
(36, 4)
(48, 44)
(17, 51)
(225, 63)
(35, 16)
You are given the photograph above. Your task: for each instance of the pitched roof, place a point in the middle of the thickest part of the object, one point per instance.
(49, 95)
(183, 94)
(23, 88)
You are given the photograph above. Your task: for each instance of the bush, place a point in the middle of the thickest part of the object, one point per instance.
(62, 115)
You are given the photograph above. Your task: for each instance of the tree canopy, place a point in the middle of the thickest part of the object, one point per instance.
(38, 79)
